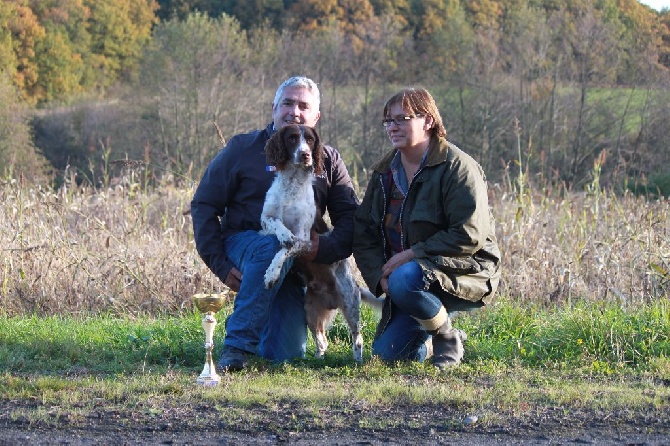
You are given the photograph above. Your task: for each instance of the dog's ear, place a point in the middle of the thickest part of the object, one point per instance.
(318, 154)
(275, 154)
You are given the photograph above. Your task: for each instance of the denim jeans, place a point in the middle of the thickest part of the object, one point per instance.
(270, 323)
(411, 299)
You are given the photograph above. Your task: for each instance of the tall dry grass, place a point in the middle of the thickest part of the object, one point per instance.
(559, 247)
(129, 248)
(126, 249)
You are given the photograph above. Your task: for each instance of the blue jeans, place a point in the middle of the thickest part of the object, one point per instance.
(411, 299)
(270, 323)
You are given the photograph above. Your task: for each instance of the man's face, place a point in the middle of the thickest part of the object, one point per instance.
(296, 106)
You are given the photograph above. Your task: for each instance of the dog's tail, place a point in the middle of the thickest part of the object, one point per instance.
(377, 303)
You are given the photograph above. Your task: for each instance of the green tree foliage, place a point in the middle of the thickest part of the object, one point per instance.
(119, 31)
(62, 65)
(7, 54)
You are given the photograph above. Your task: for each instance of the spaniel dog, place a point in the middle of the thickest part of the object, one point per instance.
(290, 212)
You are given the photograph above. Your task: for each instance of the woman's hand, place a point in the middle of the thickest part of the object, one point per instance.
(394, 262)
(384, 283)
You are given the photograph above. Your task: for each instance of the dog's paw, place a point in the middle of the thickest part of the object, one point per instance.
(270, 279)
(358, 355)
(357, 348)
(289, 241)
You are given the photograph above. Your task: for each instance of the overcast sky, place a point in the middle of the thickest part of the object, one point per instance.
(656, 4)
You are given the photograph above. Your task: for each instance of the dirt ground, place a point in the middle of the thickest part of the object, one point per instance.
(418, 425)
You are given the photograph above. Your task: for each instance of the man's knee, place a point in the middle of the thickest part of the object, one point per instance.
(265, 248)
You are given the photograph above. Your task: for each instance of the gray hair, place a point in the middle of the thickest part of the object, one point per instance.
(298, 81)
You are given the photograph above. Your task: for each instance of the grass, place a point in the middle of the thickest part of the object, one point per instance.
(590, 337)
(96, 316)
(519, 360)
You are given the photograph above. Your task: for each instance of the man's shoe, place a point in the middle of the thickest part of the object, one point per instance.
(233, 359)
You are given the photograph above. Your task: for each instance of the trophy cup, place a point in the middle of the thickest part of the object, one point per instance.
(209, 305)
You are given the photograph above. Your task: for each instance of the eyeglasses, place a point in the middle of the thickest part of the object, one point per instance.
(399, 120)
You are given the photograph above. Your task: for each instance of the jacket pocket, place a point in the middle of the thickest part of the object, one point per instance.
(425, 222)
(457, 265)
(428, 214)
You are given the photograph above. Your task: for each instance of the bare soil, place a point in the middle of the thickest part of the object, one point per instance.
(418, 425)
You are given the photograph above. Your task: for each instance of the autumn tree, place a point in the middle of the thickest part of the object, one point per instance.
(61, 54)
(22, 33)
(252, 13)
(664, 45)
(180, 9)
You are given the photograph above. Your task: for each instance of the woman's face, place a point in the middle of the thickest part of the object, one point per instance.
(406, 130)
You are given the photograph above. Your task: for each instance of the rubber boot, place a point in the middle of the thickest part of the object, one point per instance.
(447, 346)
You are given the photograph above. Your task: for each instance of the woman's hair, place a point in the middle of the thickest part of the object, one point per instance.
(417, 101)
(299, 81)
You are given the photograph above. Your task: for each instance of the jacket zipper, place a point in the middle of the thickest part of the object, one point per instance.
(381, 224)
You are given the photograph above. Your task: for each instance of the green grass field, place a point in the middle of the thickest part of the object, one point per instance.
(518, 358)
(97, 323)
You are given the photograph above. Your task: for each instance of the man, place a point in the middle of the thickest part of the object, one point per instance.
(226, 210)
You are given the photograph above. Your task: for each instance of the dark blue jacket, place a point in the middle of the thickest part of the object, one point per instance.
(231, 193)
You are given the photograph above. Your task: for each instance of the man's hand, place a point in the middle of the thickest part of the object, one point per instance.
(234, 279)
(314, 247)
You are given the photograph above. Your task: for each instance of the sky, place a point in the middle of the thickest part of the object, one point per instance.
(656, 4)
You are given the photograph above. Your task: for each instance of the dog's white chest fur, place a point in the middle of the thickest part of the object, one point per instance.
(298, 208)
(289, 208)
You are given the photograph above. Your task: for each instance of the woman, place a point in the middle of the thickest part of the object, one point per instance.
(424, 235)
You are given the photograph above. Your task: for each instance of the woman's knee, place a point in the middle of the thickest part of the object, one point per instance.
(405, 279)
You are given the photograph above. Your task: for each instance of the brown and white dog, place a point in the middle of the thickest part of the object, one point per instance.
(290, 212)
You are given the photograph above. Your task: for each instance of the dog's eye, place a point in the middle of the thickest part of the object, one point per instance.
(309, 139)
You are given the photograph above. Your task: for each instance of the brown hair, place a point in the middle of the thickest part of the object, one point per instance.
(417, 101)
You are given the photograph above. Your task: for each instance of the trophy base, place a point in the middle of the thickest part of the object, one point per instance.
(208, 381)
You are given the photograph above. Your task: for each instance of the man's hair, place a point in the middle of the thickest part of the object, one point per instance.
(298, 81)
(418, 101)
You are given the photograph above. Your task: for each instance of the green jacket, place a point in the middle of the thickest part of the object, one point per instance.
(445, 220)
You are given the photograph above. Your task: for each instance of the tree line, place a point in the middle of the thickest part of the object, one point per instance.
(560, 90)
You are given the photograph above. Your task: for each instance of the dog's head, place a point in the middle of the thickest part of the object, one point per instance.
(297, 145)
